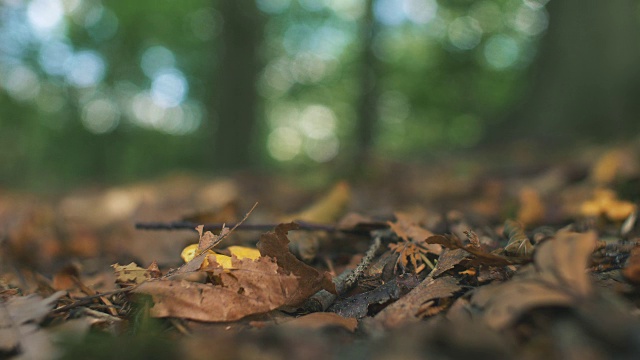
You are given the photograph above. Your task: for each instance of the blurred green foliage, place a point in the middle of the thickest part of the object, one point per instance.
(113, 91)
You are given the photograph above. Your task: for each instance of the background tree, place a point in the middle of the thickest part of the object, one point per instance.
(236, 108)
(585, 82)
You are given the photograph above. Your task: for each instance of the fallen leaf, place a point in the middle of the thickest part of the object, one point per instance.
(251, 287)
(358, 306)
(448, 259)
(276, 245)
(407, 308)
(564, 260)
(557, 278)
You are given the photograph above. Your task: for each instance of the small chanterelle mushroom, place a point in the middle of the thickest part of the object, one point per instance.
(241, 252)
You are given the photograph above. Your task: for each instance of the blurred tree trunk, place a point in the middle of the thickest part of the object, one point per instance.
(236, 100)
(586, 79)
(368, 101)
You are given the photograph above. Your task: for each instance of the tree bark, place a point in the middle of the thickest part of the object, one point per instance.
(237, 100)
(367, 105)
(586, 79)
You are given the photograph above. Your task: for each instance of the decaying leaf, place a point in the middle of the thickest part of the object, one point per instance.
(448, 259)
(276, 245)
(251, 287)
(407, 309)
(558, 278)
(358, 306)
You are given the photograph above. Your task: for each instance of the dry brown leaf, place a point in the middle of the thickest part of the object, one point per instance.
(358, 306)
(482, 257)
(406, 308)
(448, 259)
(406, 228)
(565, 258)
(504, 303)
(251, 287)
(321, 320)
(276, 245)
(558, 278)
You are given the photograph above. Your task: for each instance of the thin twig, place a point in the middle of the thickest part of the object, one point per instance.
(344, 282)
(203, 252)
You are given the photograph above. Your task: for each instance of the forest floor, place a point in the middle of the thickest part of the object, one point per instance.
(505, 256)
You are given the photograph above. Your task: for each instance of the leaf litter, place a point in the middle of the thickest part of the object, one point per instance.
(558, 279)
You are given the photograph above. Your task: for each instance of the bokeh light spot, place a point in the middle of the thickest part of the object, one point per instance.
(322, 150)
(465, 33)
(389, 12)
(155, 59)
(420, 11)
(530, 21)
(53, 55)
(100, 116)
(317, 122)
(284, 143)
(85, 69)
(44, 15)
(169, 88)
(21, 83)
(501, 51)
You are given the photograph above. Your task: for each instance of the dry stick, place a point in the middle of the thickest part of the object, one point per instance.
(89, 299)
(344, 282)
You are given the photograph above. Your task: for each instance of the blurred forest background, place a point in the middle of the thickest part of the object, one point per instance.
(98, 91)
